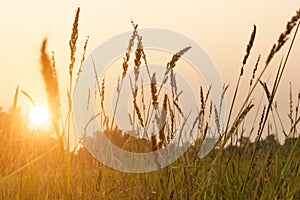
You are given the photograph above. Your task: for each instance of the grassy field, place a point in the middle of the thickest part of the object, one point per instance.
(39, 164)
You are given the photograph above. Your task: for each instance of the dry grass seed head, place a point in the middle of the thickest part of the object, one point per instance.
(175, 57)
(164, 111)
(254, 71)
(154, 90)
(73, 40)
(249, 46)
(217, 120)
(128, 50)
(223, 97)
(83, 56)
(283, 36)
(210, 110)
(137, 60)
(261, 120)
(102, 93)
(202, 99)
(137, 111)
(162, 137)
(136, 108)
(143, 96)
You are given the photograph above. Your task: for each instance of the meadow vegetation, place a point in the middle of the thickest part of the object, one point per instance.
(40, 164)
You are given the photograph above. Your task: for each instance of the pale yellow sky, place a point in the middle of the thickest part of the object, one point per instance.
(222, 28)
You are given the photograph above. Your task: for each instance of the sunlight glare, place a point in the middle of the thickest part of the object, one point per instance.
(39, 115)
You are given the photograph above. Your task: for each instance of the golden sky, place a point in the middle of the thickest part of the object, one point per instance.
(222, 28)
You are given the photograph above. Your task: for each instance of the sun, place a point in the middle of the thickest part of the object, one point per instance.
(39, 115)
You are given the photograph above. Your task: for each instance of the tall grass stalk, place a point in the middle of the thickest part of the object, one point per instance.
(288, 161)
(72, 44)
(276, 82)
(125, 69)
(248, 50)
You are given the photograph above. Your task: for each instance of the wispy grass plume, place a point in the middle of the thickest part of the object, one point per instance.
(48, 72)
